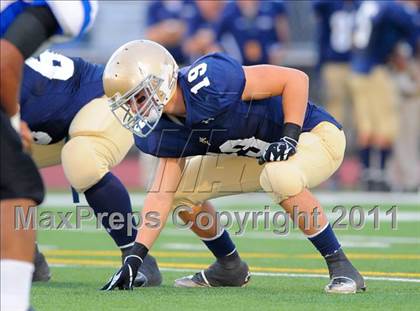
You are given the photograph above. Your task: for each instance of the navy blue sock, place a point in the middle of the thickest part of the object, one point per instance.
(221, 246)
(326, 242)
(383, 157)
(364, 155)
(110, 196)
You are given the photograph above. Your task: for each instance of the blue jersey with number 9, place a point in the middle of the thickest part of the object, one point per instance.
(54, 88)
(217, 120)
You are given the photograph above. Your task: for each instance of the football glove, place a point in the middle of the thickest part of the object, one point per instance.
(285, 147)
(125, 276)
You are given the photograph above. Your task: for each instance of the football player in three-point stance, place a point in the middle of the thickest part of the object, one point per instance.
(25, 25)
(63, 102)
(226, 118)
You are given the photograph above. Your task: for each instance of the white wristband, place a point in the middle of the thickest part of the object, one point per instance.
(15, 121)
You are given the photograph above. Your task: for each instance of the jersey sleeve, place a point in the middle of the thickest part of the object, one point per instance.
(213, 84)
(74, 17)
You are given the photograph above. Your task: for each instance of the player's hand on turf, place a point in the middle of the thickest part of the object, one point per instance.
(285, 147)
(124, 277)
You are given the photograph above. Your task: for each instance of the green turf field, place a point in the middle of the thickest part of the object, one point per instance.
(287, 271)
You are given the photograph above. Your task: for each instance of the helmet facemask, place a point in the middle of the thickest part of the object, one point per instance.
(140, 78)
(140, 109)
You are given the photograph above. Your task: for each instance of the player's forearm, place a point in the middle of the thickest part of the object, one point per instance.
(159, 200)
(11, 73)
(158, 207)
(295, 98)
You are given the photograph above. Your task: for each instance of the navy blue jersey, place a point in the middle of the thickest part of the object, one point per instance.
(235, 31)
(54, 88)
(335, 29)
(380, 25)
(74, 18)
(217, 120)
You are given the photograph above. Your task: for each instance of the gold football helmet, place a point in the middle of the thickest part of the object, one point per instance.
(140, 78)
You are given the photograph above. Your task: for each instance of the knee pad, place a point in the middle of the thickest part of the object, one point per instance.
(85, 161)
(282, 180)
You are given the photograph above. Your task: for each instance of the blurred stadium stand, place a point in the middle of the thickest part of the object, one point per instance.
(121, 21)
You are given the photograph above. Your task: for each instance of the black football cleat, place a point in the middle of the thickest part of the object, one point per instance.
(344, 277)
(150, 270)
(42, 271)
(149, 274)
(218, 275)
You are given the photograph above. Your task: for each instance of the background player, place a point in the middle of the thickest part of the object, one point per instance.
(166, 24)
(199, 106)
(254, 32)
(380, 26)
(406, 73)
(335, 39)
(200, 37)
(62, 101)
(25, 25)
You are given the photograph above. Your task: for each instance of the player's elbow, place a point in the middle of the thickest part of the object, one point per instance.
(299, 78)
(302, 77)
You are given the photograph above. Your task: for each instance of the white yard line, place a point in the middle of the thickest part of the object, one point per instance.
(298, 236)
(297, 275)
(261, 199)
(363, 241)
(258, 203)
(273, 274)
(201, 247)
